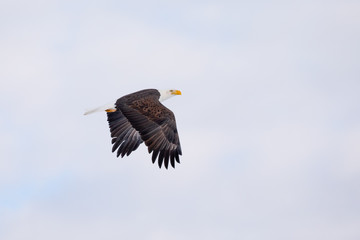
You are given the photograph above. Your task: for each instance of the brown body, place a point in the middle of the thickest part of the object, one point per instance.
(140, 117)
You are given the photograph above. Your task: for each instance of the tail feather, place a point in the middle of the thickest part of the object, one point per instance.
(101, 108)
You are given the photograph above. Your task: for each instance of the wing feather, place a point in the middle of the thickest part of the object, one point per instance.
(125, 138)
(157, 127)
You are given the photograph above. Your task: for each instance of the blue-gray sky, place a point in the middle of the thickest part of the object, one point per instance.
(269, 119)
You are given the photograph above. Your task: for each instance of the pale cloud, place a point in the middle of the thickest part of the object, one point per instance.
(268, 120)
(349, 153)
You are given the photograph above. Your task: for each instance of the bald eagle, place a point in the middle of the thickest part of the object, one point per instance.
(140, 117)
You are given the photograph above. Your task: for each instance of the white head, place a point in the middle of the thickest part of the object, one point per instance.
(166, 94)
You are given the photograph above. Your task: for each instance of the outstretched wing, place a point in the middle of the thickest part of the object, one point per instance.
(157, 127)
(124, 137)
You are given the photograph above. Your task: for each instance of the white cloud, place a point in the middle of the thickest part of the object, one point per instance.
(267, 120)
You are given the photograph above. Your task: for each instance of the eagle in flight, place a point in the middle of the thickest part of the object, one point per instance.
(141, 117)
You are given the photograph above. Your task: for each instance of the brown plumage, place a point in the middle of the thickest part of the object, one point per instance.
(140, 117)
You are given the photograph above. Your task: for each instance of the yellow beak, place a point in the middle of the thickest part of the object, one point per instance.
(176, 92)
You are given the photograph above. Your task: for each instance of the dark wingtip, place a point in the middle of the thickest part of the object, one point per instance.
(166, 159)
(161, 158)
(154, 156)
(177, 158)
(172, 159)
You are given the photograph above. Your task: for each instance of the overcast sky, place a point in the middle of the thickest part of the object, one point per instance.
(269, 119)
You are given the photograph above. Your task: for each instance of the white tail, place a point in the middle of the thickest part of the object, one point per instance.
(101, 108)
